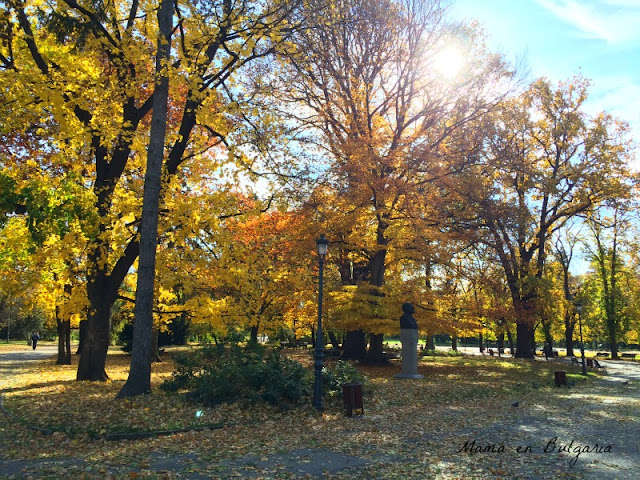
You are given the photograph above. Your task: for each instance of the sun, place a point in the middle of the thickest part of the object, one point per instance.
(449, 61)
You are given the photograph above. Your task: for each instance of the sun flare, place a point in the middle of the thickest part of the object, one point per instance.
(449, 62)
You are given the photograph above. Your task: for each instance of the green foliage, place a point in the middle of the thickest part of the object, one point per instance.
(224, 374)
(343, 372)
(125, 337)
(177, 332)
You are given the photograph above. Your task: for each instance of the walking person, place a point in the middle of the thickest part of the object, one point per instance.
(34, 339)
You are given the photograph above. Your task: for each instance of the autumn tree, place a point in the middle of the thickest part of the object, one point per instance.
(563, 249)
(365, 85)
(41, 187)
(545, 162)
(608, 228)
(88, 70)
(259, 272)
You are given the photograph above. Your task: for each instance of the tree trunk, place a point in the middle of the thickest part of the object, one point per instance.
(355, 346)
(500, 343)
(375, 354)
(611, 327)
(139, 381)
(377, 268)
(454, 343)
(510, 339)
(93, 354)
(481, 342)
(64, 347)
(334, 340)
(63, 329)
(253, 336)
(155, 351)
(430, 343)
(568, 333)
(82, 333)
(523, 340)
(548, 338)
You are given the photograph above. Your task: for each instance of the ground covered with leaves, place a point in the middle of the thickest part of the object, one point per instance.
(470, 417)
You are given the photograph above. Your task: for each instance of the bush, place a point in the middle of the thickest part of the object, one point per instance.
(125, 337)
(224, 374)
(344, 372)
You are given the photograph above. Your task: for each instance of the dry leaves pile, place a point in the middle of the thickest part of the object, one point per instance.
(411, 429)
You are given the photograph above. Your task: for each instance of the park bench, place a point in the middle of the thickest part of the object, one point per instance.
(574, 361)
(602, 354)
(597, 365)
(628, 355)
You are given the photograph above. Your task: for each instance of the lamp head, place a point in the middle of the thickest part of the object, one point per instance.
(322, 244)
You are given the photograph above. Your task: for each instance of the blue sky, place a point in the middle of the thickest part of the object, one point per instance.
(599, 39)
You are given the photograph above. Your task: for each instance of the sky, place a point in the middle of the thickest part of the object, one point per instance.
(558, 39)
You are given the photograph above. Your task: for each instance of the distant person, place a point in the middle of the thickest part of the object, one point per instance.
(34, 340)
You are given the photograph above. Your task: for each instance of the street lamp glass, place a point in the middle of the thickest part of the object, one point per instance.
(322, 244)
(578, 306)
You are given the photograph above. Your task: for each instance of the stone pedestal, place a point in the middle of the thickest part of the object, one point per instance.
(409, 339)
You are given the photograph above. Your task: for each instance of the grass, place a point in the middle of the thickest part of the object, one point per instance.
(13, 345)
(457, 393)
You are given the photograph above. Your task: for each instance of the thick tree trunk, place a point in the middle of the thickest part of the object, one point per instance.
(481, 340)
(355, 346)
(523, 340)
(253, 336)
(375, 354)
(93, 354)
(454, 343)
(430, 343)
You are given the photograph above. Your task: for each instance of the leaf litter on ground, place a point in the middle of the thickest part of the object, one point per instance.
(410, 428)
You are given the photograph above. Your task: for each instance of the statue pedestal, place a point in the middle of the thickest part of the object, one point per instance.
(409, 339)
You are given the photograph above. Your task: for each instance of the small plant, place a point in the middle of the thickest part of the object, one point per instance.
(343, 372)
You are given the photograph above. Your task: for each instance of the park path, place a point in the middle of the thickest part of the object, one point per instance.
(11, 361)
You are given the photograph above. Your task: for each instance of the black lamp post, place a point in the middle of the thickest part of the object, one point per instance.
(318, 402)
(578, 306)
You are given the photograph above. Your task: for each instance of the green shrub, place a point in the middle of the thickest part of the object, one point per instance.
(343, 372)
(224, 374)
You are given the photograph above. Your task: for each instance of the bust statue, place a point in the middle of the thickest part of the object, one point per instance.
(409, 339)
(407, 320)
